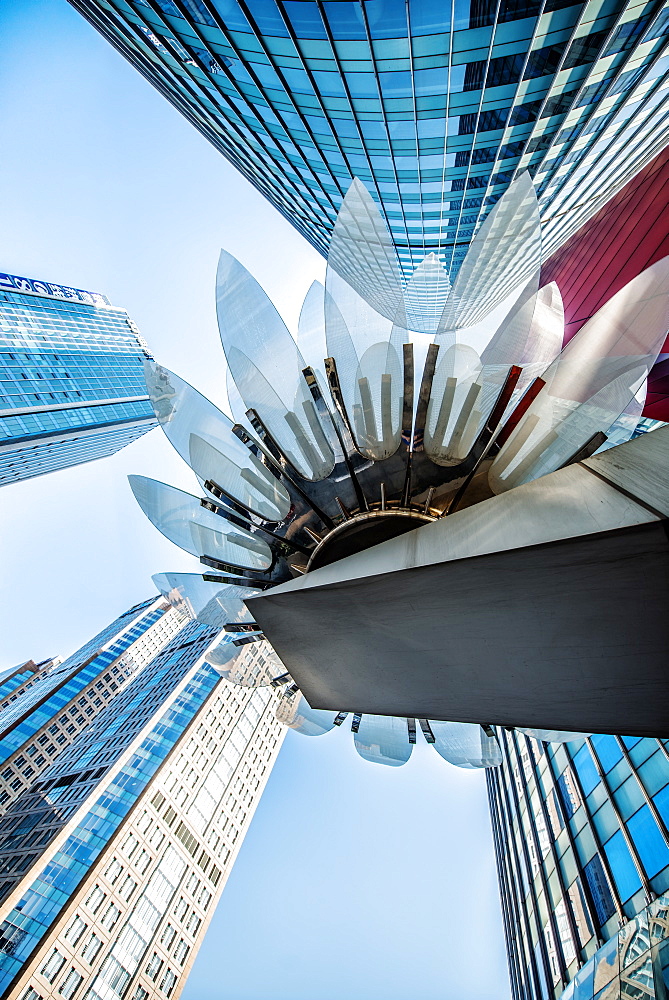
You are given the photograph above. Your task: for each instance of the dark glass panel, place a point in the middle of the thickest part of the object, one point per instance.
(505, 69)
(523, 114)
(599, 889)
(585, 49)
(626, 35)
(543, 61)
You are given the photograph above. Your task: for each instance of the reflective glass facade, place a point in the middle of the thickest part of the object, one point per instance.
(582, 843)
(436, 107)
(71, 382)
(51, 709)
(113, 860)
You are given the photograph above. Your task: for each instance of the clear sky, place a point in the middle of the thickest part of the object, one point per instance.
(355, 880)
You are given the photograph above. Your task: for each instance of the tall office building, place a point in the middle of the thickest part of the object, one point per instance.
(582, 843)
(113, 859)
(60, 701)
(15, 681)
(71, 381)
(435, 107)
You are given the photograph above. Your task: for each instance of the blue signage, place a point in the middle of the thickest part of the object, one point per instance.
(32, 286)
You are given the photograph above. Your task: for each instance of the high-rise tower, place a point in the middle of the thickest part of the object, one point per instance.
(60, 701)
(582, 842)
(435, 107)
(71, 382)
(114, 857)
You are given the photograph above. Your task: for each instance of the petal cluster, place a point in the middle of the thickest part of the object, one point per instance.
(396, 404)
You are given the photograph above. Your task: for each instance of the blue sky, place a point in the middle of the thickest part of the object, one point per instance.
(355, 880)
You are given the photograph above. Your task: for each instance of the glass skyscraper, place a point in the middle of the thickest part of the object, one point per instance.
(71, 381)
(582, 843)
(115, 852)
(61, 701)
(436, 107)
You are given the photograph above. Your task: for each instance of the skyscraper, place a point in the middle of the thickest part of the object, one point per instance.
(113, 859)
(62, 700)
(582, 843)
(70, 378)
(435, 108)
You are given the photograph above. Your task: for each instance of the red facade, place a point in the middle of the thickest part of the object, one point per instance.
(629, 234)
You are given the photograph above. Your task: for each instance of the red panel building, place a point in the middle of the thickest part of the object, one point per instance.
(626, 236)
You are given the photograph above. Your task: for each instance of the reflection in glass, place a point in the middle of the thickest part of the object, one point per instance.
(295, 712)
(383, 740)
(182, 519)
(210, 603)
(465, 744)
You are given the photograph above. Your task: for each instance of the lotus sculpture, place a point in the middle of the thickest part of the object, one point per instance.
(397, 404)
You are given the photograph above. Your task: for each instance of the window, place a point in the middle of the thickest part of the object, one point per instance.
(143, 862)
(75, 930)
(586, 770)
(113, 871)
(71, 984)
(95, 899)
(624, 871)
(193, 924)
(169, 982)
(31, 994)
(168, 936)
(599, 889)
(127, 888)
(91, 949)
(140, 994)
(111, 915)
(181, 952)
(154, 966)
(53, 965)
(648, 841)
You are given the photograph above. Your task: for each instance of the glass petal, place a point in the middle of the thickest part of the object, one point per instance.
(553, 735)
(311, 329)
(503, 256)
(211, 603)
(295, 712)
(591, 382)
(267, 369)
(383, 739)
(253, 486)
(365, 322)
(465, 744)
(363, 258)
(182, 411)
(182, 519)
(454, 412)
(426, 293)
(252, 665)
(296, 429)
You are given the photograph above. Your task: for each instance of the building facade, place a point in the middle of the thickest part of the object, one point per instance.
(435, 108)
(627, 235)
(17, 680)
(582, 844)
(114, 858)
(71, 379)
(61, 702)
